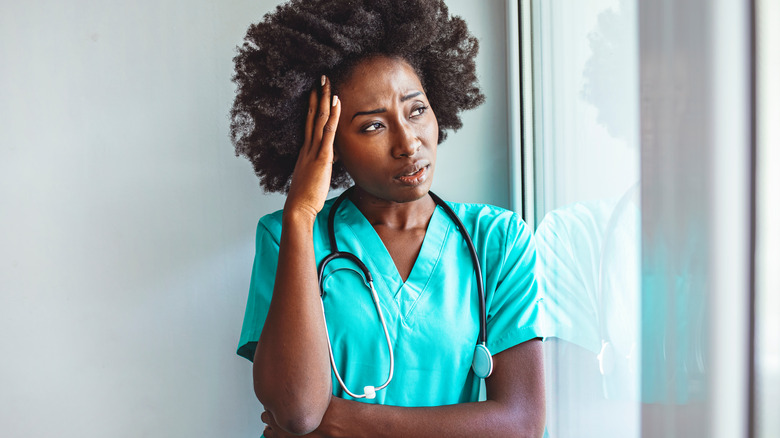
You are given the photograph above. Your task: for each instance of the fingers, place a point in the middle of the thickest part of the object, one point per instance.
(265, 417)
(329, 130)
(310, 119)
(321, 122)
(323, 112)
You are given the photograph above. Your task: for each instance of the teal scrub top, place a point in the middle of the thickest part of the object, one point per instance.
(432, 318)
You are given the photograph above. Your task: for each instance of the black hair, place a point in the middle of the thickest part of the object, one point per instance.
(284, 56)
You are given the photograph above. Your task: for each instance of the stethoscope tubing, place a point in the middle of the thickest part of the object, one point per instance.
(370, 391)
(482, 339)
(367, 393)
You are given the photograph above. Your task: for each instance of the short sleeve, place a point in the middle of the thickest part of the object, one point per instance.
(261, 284)
(515, 307)
(567, 273)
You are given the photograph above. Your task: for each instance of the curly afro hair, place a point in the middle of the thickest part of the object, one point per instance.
(283, 57)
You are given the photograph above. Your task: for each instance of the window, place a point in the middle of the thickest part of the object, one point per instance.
(587, 209)
(648, 281)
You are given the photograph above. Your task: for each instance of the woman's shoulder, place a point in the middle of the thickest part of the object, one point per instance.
(485, 214)
(490, 221)
(272, 222)
(486, 210)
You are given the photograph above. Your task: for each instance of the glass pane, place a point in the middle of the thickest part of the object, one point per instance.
(768, 216)
(588, 212)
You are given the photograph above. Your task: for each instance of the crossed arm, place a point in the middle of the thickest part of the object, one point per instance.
(291, 365)
(514, 408)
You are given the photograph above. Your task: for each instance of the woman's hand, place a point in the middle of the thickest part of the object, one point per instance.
(311, 177)
(272, 430)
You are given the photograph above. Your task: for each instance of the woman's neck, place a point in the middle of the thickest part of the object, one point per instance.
(395, 215)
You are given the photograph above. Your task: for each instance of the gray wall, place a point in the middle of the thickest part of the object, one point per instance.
(127, 224)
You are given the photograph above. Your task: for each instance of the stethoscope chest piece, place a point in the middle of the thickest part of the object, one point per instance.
(482, 364)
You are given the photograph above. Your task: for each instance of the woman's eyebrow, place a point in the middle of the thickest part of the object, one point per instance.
(410, 95)
(363, 113)
(381, 110)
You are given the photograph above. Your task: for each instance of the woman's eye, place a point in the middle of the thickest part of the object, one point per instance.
(419, 111)
(372, 127)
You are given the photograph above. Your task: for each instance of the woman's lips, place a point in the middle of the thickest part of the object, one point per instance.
(414, 177)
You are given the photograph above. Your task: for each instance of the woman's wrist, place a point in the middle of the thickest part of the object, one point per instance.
(331, 426)
(299, 218)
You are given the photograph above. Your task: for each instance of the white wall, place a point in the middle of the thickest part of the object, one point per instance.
(473, 164)
(127, 224)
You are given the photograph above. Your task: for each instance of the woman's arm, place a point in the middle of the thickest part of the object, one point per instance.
(291, 365)
(515, 407)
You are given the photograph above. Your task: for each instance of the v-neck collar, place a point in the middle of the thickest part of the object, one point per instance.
(352, 226)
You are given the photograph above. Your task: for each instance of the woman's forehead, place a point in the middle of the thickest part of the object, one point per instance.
(379, 78)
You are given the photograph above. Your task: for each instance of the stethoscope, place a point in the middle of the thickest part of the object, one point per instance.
(482, 363)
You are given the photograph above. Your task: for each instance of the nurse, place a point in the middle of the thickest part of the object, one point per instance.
(386, 79)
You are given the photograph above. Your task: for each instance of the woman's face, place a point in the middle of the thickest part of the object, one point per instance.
(387, 134)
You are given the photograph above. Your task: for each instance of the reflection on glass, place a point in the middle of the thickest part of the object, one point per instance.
(588, 229)
(588, 268)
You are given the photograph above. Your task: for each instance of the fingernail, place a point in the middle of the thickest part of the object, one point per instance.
(335, 100)
(322, 80)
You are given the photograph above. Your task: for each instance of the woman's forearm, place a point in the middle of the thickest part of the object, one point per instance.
(292, 371)
(489, 418)
(515, 407)
(291, 365)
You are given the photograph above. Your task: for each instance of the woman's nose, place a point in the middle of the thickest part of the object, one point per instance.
(407, 142)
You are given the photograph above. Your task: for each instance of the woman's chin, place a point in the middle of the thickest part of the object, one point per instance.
(398, 194)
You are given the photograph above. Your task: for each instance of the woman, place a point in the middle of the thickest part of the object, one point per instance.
(389, 77)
